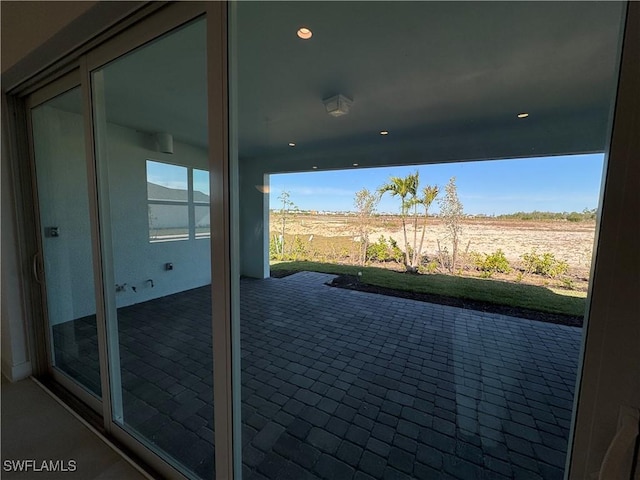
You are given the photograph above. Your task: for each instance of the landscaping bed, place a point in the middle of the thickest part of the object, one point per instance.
(351, 282)
(489, 295)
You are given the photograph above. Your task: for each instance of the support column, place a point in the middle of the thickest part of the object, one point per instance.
(254, 221)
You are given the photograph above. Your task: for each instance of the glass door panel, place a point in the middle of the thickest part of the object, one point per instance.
(150, 122)
(61, 175)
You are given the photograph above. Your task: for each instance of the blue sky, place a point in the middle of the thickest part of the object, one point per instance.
(554, 184)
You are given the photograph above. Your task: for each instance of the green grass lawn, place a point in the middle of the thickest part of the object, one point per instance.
(533, 297)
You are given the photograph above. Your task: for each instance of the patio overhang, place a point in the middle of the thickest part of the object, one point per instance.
(446, 79)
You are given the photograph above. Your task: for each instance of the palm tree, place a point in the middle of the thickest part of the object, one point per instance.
(407, 189)
(429, 194)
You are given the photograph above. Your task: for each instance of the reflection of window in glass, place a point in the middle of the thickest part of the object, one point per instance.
(201, 203)
(178, 202)
(167, 182)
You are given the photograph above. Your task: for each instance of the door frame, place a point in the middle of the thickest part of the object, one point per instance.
(608, 379)
(61, 85)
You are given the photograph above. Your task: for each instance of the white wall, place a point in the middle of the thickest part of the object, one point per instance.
(63, 200)
(136, 259)
(254, 221)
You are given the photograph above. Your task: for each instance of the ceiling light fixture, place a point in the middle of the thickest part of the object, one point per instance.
(291, 144)
(384, 132)
(304, 33)
(337, 105)
(355, 164)
(523, 115)
(315, 167)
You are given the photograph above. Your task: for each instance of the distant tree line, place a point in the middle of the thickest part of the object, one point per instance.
(585, 215)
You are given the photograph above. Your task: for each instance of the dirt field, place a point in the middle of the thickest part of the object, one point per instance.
(568, 241)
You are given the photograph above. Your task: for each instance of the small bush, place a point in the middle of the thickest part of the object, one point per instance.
(488, 264)
(444, 259)
(295, 250)
(275, 247)
(568, 283)
(429, 267)
(384, 251)
(544, 264)
(299, 250)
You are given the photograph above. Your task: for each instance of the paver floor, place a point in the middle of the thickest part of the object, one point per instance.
(344, 384)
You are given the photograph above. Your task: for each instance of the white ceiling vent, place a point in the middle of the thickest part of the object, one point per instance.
(337, 105)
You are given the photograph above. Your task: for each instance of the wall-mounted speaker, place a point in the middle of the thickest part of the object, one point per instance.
(165, 142)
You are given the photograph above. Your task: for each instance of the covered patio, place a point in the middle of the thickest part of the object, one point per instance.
(344, 384)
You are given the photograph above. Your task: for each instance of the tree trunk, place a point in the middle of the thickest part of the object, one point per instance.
(407, 262)
(441, 259)
(414, 265)
(283, 225)
(364, 252)
(465, 257)
(424, 228)
(454, 253)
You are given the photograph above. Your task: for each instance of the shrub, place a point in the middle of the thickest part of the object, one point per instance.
(444, 259)
(275, 246)
(384, 251)
(568, 283)
(429, 267)
(544, 264)
(298, 250)
(488, 264)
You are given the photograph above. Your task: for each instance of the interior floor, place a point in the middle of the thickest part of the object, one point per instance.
(36, 427)
(345, 384)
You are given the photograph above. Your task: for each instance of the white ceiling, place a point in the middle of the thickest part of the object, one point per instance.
(447, 79)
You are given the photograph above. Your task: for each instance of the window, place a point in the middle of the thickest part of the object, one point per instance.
(202, 228)
(178, 201)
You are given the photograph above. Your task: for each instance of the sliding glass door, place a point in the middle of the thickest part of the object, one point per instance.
(65, 235)
(132, 213)
(150, 127)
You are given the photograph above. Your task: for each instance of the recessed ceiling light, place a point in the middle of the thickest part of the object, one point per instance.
(355, 164)
(315, 167)
(523, 115)
(304, 33)
(291, 144)
(384, 132)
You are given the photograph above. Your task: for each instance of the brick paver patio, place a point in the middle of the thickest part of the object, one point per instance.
(344, 384)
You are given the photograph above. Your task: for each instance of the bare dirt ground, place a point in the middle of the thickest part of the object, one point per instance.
(571, 242)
